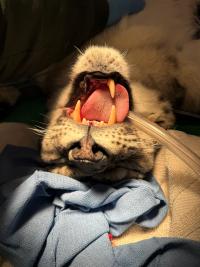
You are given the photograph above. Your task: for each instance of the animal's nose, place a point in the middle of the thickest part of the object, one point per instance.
(87, 150)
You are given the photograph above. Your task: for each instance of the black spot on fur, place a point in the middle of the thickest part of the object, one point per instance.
(60, 120)
(133, 140)
(131, 148)
(127, 130)
(111, 61)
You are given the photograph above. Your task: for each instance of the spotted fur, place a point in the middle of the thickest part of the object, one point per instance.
(162, 67)
(105, 153)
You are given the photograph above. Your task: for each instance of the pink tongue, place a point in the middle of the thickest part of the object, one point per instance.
(98, 105)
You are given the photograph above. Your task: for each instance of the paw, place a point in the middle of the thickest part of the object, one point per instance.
(152, 105)
(163, 116)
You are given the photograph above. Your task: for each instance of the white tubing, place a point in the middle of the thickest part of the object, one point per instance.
(165, 138)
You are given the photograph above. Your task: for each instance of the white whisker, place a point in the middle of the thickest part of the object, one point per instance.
(78, 49)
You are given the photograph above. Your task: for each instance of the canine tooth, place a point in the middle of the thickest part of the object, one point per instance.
(112, 118)
(76, 114)
(85, 122)
(111, 86)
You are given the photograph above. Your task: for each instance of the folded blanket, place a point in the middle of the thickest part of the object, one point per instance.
(51, 219)
(181, 186)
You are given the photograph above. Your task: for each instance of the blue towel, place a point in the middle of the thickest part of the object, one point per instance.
(52, 220)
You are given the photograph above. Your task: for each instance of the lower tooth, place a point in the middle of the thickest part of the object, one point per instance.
(112, 118)
(84, 121)
(94, 123)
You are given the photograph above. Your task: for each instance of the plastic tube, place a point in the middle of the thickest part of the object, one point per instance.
(165, 138)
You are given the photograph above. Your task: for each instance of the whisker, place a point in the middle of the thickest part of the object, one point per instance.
(38, 127)
(40, 122)
(78, 49)
(44, 115)
(42, 130)
(38, 133)
(37, 130)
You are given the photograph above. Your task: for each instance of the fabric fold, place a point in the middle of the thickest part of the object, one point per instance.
(50, 219)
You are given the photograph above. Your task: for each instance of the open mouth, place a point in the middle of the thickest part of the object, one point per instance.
(99, 100)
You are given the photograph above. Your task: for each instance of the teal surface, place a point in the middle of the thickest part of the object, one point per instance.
(188, 124)
(30, 111)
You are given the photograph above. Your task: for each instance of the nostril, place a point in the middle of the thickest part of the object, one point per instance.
(79, 152)
(96, 148)
(65, 151)
(75, 145)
